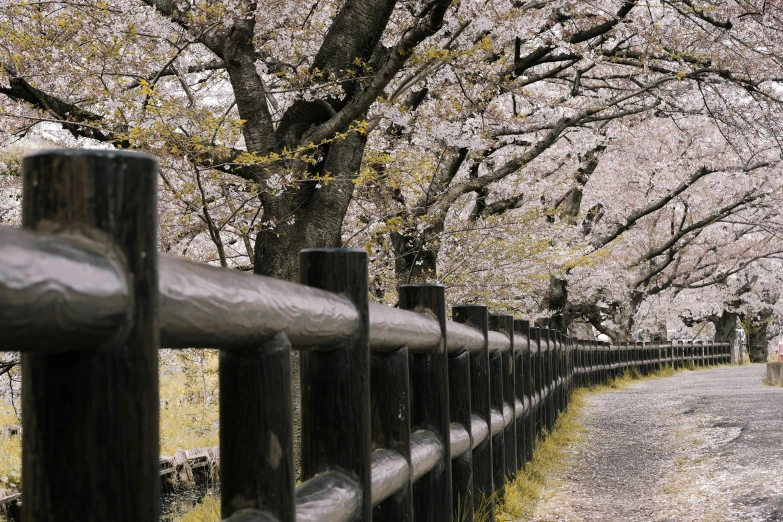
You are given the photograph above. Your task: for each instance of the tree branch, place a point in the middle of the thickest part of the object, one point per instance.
(430, 21)
(716, 216)
(662, 202)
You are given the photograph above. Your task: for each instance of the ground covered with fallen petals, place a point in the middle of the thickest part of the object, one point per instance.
(698, 446)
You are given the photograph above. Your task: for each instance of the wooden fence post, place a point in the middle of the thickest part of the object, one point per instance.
(681, 354)
(691, 347)
(563, 342)
(429, 399)
(496, 403)
(589, 362)
(565, 371)
(391, 424)
(90, 418)
(551, 372)
(546, 367)
(638, 354)
(335, 380)
(598, 354)
(505, 325)
(535, 387)
(523, 384)
(615, 351)
(256, 430)
(571, 367)
(483, 490)
(578, 364)
(557, 369)
(460, 398)
(588, 358)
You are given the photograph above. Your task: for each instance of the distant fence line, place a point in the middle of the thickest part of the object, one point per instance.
(405, 414)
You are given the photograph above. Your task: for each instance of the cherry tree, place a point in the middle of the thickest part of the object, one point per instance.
(518, 150)
(495, 126)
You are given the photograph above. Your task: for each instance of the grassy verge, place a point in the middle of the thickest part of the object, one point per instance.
(550, 455)
(188, 400)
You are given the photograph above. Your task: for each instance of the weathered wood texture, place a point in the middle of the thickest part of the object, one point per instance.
(335, 379)
(460, 412)
(429, 392)
(391, 428)
(483, 485)
(91, 414)
(256, 433)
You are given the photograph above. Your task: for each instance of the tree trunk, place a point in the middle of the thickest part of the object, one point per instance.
(416, 255)
(582, 331)
(555, 302)
(624, 317)
(725, 327)
(315, 222)
(570, 205)
(726, 331)
(756, 328)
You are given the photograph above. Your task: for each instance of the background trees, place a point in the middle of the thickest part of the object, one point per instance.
(594, 162)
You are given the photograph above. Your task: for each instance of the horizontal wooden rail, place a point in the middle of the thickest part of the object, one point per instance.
(498, 342)
(74, 287)
(70, 285)
(204, 306)
(392, 328)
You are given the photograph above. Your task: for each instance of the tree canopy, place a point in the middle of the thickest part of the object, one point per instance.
(609, 162)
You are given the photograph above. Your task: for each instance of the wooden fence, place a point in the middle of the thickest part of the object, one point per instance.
(405, 415)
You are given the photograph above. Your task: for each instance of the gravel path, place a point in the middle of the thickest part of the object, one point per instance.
(698, 446)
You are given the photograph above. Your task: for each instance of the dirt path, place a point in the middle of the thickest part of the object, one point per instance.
(699, 446)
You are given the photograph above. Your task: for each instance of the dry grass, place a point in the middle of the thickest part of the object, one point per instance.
(10, 450)
(10, 463)
(550, 455)
(207, 511)
(189, 403)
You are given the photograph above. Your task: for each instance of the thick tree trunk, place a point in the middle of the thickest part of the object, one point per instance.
(582, 330)
(725, 327)
(308, 217)
(555, 302)
(624, 317)
(756, 328)
(726, 331)
(416, 254)
(570, 205)
(624, 330)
